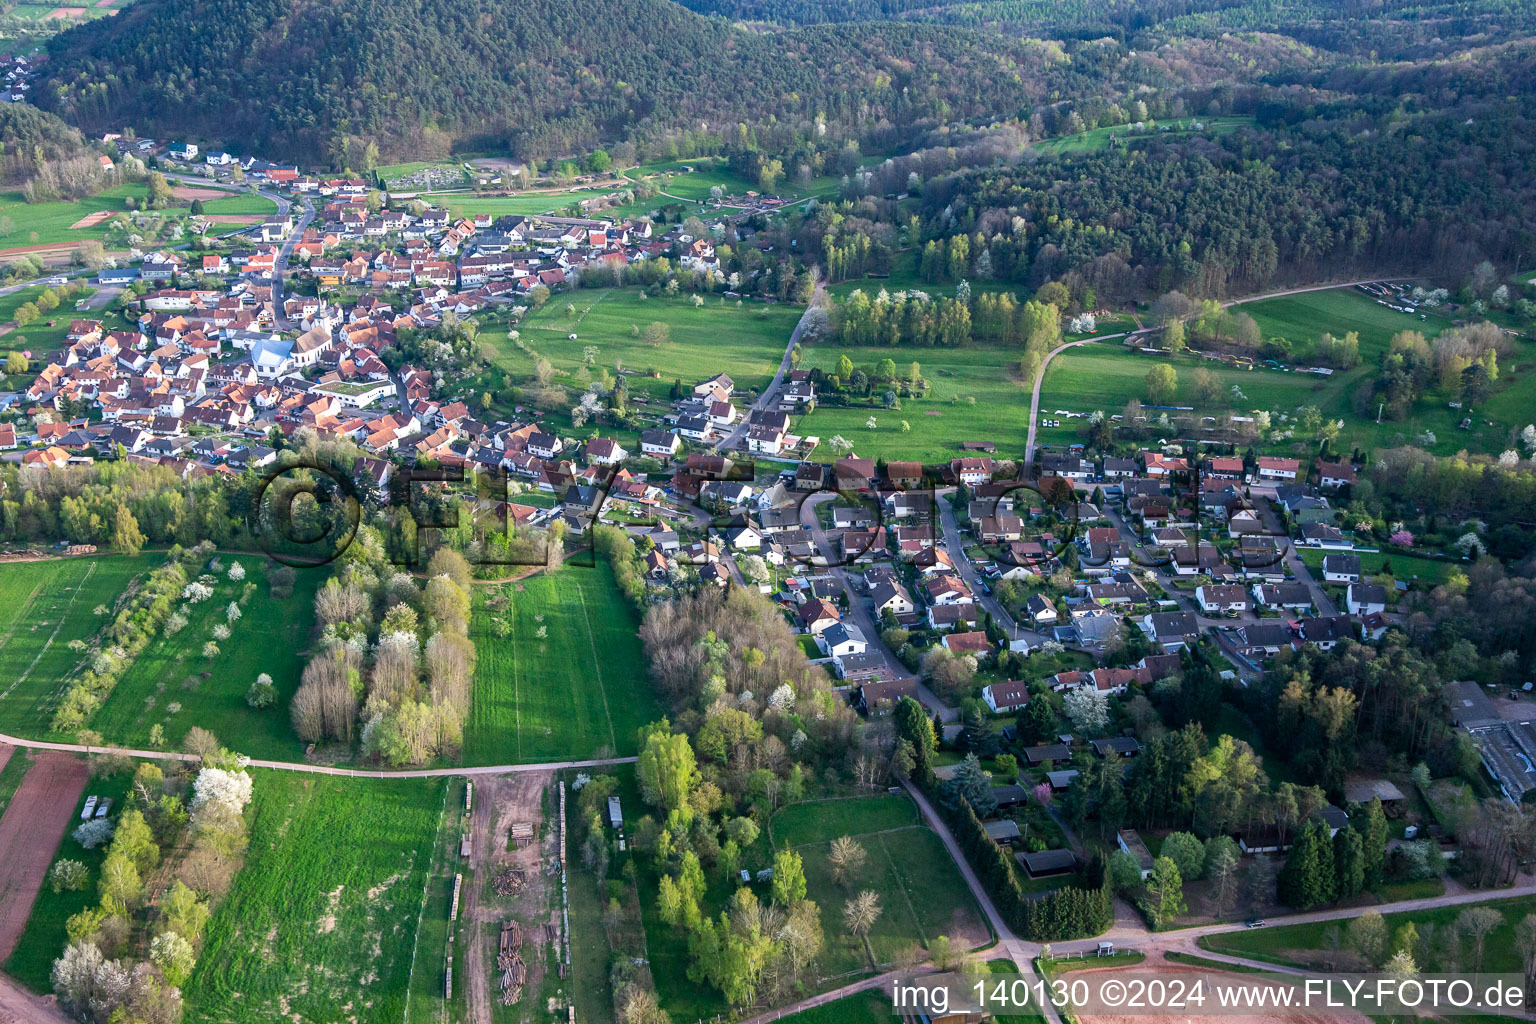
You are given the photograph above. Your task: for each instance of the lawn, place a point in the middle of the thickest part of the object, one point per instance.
(821, 821)
(11, 775)
(974, 395)
(37, 337)
(1337, 311)
(1093, 377)
(1404, 566)
(922, 896)
(171, 684)
(744, 339)
(1300, 944)
(567, 681)
(321, 922)
(691, 180)
(44, 606)
(44, 937)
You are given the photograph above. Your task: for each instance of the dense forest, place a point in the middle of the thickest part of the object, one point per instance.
(299, 78)
(45, 156)
(1424, 170)
(1388, 28)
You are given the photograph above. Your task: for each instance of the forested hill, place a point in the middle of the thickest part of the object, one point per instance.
(1388, 29)
(293, 77)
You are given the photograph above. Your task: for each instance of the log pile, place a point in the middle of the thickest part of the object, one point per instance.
(509, 960)
(509, 882)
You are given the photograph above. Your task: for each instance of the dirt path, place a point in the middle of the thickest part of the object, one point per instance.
(30, 831)
(18, 1006)
(499, 802)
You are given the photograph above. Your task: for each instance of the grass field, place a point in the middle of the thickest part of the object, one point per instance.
(429, 965)
(575, 691)
(692, 179)
(50, 222)
(820, 821)
(321, 922)
(173, 685)
(468, 204)
(245, 204)
(44, 937)
(872, 1007)
(1088, 378)
(37, 337)
(921, 892)
(747, 340)
(43, 607)
(1298, 944)
(1098, 138)
(922, 896)
(11, 776)
(974, 395)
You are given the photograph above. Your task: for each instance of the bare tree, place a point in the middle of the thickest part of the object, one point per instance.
(860, 915)
(847, 858)
(1475, 923)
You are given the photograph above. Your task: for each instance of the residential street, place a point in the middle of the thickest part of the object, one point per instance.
(859, 611)
(954, 544)
(769, 399)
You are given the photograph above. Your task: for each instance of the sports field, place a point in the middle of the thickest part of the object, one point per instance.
(173, 685)
(747, 340)
(564, 678)
(321, 922)
(239, 204)
(43, 607)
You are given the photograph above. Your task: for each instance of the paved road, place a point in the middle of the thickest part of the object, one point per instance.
(280, 265)
(321, 769)
(1014, 948)
(954, 543)
(1136, 936)
(769, 399)
(860, 612)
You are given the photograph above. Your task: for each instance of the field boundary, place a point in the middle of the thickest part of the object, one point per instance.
(426, 884)
(906, 897)
(597, 670)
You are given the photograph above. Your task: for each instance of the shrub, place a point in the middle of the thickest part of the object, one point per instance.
(262, 693)
(94, 832)
(68, 875)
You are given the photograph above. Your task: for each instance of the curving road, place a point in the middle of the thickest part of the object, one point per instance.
(321, 769)
(770, 396)
(1034, 400)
